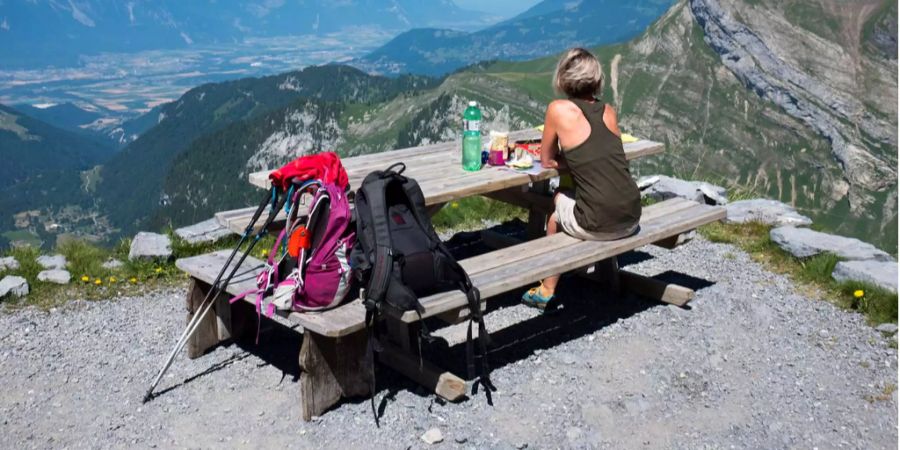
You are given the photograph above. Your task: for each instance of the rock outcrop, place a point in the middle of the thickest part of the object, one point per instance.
(13, 286)
(760, 50)
(112, 264)
(769, 212)
(203, 232)
(57, 276)
(879, 273)
(8, 263)
(666, 187)
(52, 262)
(150, 246)
(804, 243)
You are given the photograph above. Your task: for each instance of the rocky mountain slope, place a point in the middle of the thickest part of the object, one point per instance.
(548, 27)
(671, 85)
(814, 62)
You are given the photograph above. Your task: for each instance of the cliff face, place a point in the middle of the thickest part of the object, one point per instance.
(811, 58)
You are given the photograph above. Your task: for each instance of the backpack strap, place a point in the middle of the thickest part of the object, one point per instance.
(417, 199)
(382, 264)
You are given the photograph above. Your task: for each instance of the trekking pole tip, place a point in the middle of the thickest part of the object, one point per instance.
(148, 396)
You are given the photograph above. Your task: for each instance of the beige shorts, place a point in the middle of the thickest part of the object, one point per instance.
(565, 217)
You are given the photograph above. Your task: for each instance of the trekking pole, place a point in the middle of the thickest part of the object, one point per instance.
(206, 304)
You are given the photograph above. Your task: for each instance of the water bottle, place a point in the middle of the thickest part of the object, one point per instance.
(471, 151)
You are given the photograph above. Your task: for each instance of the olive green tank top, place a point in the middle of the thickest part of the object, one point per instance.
(607, 199)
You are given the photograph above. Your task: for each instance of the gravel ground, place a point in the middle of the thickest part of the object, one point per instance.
(751, 364)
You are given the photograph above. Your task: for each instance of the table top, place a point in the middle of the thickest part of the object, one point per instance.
(438, 169)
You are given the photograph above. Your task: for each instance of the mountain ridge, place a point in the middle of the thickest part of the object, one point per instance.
(548, 27)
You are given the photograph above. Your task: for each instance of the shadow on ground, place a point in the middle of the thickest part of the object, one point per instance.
(585, 307)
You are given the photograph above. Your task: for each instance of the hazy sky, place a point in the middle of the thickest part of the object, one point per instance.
(506, 8)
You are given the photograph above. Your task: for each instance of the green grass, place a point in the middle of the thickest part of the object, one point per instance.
(812, 276)
(26, 237)
(90, 281)
(472, 212)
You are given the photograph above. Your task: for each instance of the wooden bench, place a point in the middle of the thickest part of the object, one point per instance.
(332, 355)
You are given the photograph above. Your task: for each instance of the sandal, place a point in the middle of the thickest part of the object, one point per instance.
(534, 298)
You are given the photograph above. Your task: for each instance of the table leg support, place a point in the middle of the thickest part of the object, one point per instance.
(402, 354)
(217, 326)
(332, 369)
(652, 288)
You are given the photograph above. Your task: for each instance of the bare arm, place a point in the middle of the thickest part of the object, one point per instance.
(611, 120)
(550, 154)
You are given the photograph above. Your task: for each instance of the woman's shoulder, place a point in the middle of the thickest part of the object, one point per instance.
(562, 108)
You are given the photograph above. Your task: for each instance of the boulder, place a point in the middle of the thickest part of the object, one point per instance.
(57, 276)
(203, 232)
(52, 262)
(13, 286)
(803, 243)
(668, 187)
(112, 264)
(889, 328)
(879, 273)
(8, 263)
(150, 246)
(769, 212)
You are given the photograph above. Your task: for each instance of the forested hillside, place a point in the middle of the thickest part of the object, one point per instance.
(144, 164)
(43, 168)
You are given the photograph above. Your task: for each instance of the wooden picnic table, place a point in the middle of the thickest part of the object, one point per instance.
(332, 355)
(438, 169)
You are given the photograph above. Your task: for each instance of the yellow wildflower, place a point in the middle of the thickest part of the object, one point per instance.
(454, 205)
(858, 293)
(112, 279)
(98, 282)
(264, 252)
(158, 269)
(133, 280)
(85, 278)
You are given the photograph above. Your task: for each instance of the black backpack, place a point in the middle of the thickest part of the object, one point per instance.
(399, 258)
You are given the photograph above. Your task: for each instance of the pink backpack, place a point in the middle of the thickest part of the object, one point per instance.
(319, 278)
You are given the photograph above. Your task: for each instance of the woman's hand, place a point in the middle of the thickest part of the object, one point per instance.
(550, 164)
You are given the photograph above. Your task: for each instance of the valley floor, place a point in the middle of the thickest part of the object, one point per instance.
(751, 364)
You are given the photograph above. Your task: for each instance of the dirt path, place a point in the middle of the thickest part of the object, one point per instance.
(750, 365)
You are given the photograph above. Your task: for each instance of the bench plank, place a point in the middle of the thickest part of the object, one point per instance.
(506, 277)
(492, 273)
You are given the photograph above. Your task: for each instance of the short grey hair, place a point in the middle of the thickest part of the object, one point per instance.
(578, 74)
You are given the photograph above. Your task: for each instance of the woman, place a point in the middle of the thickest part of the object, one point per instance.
(581, 135)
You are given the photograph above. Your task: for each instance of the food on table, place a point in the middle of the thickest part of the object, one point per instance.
(499, 143)
(525, 162)
(532, 147)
